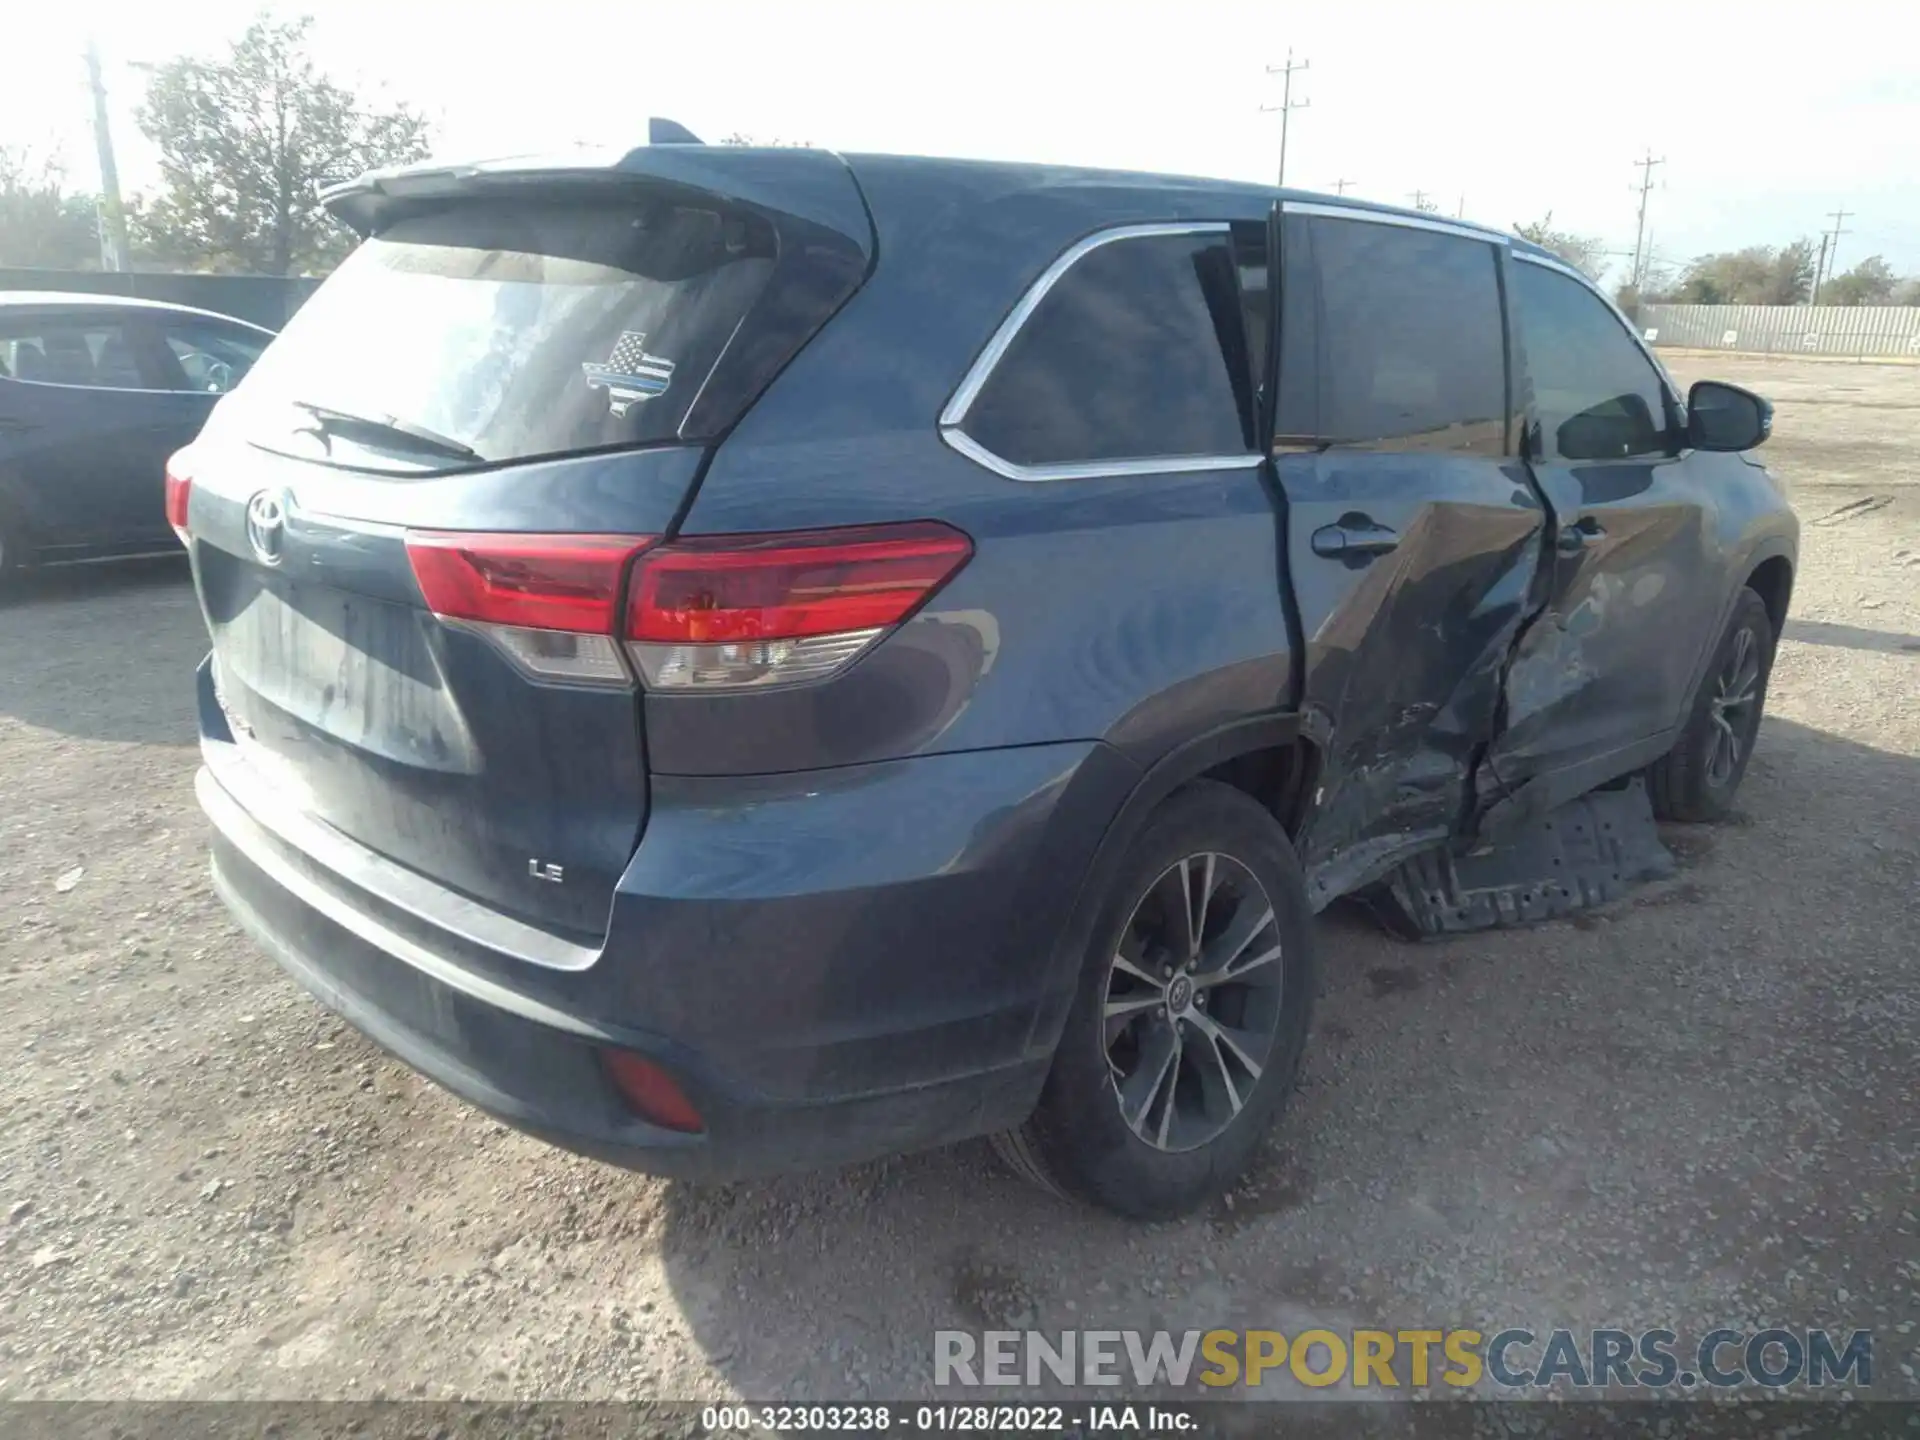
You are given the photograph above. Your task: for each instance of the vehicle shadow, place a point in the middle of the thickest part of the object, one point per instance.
(1484, 1125)
(1852, 637)
(103, 652)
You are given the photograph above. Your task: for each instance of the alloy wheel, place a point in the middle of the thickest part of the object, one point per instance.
(1735, 708)
(1193, 1001)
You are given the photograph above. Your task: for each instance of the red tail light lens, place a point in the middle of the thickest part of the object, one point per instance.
(549, 602)
(721, 612)
(651, 1093)
(539, 582)
(785, 587)
(179, 493)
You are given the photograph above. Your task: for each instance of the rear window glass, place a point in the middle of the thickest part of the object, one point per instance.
(1125, 358)
(514, 331)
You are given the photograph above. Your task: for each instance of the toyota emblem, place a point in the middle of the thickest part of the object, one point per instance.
(267, 526)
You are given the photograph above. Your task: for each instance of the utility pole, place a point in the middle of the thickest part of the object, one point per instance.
(113, 236)
(1645, 167)
(1461, 213)
(1340, 186)
(1819, 267)
(1830, 253)
(1419, 199)
(1287, 104)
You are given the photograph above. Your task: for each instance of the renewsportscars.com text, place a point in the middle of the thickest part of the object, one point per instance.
(1398, 1359)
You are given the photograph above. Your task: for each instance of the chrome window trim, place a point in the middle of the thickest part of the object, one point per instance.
(966, 445)
(106, 389)
(1546, 262)
(1325, 211)
(984, 364)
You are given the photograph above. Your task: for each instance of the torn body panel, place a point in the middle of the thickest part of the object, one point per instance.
(1583, 854)
(1646, 557)
(1404, 646)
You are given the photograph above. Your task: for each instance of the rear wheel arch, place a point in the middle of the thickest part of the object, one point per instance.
(1281, 777)
(1077, 1141)
(1264, 756)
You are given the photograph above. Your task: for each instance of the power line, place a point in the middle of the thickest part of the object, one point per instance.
(1645, 167)
(1287, 104)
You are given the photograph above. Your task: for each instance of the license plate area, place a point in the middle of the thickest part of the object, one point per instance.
(300, 662)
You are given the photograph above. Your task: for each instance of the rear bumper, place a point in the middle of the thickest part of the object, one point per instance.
(834, 966)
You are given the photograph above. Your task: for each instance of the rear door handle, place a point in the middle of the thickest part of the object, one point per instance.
(1354, 535)
(1579, 534)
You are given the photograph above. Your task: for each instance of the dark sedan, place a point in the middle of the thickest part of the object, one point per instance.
(95, 393)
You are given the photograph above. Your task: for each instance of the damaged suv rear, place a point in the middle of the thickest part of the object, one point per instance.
(739, 660)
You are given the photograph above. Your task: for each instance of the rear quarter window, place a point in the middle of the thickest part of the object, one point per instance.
(1126, 357)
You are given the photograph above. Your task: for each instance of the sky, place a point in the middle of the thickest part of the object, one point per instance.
(1768, 119)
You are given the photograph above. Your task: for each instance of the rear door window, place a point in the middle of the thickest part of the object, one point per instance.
(1595, 394)
(517, 330)
(1397, 342)
(70, 350)
(1130, 355)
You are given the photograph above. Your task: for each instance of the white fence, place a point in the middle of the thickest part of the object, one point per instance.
(1857, 330)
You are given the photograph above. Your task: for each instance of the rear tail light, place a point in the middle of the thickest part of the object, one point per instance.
(728, 612)
(548, 601)
(707, 613)
(179, 492)
(651, 1093)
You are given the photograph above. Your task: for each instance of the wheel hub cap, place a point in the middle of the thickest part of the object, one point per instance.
(1179, 996)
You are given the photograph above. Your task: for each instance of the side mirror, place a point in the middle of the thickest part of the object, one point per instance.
(1726, 417)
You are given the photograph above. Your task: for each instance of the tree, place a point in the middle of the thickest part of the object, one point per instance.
(1757, 275)
(1585, 253)
(42, 226)
(245, 143)
(1871, 282)
(1657, 286)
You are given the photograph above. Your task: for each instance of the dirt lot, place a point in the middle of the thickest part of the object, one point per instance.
(1696, 1109)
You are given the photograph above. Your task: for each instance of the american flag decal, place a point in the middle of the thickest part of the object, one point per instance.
(630, 374)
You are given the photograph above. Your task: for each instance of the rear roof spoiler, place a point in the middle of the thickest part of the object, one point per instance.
(667, 132)
(812, 185)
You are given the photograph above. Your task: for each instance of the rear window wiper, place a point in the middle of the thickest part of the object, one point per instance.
(389, 427)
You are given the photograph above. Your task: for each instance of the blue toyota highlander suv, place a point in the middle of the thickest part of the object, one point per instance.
(735, 660)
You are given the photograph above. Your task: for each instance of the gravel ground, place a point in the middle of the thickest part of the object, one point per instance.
(1697, 1108)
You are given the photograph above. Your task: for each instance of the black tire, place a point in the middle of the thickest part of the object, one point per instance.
(1187, 1142)
(1698, 778)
